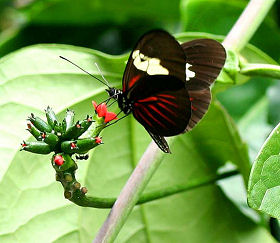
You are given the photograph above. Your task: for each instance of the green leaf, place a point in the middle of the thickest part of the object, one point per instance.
(30, 195)
(254, 126)
(263, 189)
(217, 17)
(86, 12)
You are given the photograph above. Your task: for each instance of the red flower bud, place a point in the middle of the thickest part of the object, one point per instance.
(73, 145)
(58, 159)
(94, 104)
(101, 110)
(110, 116)
(29, 125)
(98, 140)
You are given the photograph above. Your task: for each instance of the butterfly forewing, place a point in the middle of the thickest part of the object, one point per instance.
(156, 53)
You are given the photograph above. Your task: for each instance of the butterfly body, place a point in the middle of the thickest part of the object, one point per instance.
(166, 85)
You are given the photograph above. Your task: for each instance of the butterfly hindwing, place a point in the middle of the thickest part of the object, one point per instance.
(161, 142)
(205, 58)
(163, 107)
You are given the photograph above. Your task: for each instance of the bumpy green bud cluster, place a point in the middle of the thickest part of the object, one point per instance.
(59, 137)
(65, 139)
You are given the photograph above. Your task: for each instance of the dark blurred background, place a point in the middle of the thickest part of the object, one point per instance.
(113, 26)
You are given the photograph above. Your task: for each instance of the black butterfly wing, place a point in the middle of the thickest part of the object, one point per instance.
(161, 104)
(161, 142)
(205, 58)
(156, 53)
(154, 83)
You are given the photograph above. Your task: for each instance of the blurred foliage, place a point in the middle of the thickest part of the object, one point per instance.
(243, 113)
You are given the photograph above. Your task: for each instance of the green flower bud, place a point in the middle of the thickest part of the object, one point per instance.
(51, 118)
(58, 128)
(50, 138)
(80, 146)
(40, 124)
(69, 119)
(37, 147)
(35, 133)
(72, 132)
(85, 124)
(63, 125)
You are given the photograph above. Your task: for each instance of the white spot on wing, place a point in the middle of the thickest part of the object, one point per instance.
(147, 64)
(189, 73)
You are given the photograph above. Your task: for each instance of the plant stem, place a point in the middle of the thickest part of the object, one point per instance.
(247, 24)
(263, 70)
(130, 194)
(97, 202)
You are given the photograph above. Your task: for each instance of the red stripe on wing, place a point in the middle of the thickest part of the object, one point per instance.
(166, 108)
(148, 113)
(149, 99)
(138, 114)
(133, 80)
(169, 102)
(151, 115)
(167, 96)
(160, 113)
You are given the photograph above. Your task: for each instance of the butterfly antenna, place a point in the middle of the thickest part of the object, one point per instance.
(111, 103)
(110, 124)
(64, 58)
(101, 74)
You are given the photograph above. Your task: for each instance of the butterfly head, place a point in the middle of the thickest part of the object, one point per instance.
(113, 92)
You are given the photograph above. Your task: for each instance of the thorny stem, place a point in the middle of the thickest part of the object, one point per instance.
(239, 35)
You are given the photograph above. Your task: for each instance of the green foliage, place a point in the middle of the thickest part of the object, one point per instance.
(196, 154)
(263, 190)
(243, 110)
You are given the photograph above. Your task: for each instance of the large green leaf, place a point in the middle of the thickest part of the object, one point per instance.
(86, 12)
(254, 126)
(110, 26)
(263, 189)
(32, 203)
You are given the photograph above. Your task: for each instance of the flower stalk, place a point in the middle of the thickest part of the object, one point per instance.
(66, 139)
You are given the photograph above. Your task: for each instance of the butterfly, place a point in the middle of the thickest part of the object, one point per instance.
(166, 86)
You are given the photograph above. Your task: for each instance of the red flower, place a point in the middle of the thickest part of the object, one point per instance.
(58, 159)
(98, 140)
(73, 145)
(101, 111)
